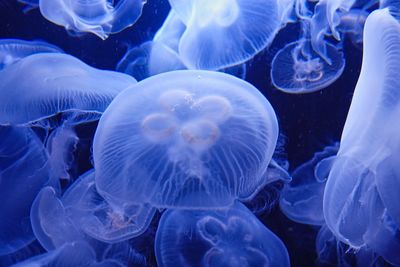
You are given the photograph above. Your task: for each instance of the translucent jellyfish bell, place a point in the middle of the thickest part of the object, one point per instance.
(100, 17)
(224, 33)
(301, 199)
(231, 237)
(58, 92)
(298, 69)
(352, 25)
(12, 50)
(361, 195)
(178, 139)
(23, 172)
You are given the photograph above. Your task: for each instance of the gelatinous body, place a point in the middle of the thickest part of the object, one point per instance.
(298, 69)
(23, 172)
(225, 33)
(185, 139)
(12, 50)
(228, 237)
(361, 195)
(100, 17)
(301, 199)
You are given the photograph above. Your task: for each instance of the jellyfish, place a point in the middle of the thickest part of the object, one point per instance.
(301, 199)
(361, 193)
(227, 237)
(81, 214)
(100, 17)
(298, 69)
(225, 33)
(352, 25)
(29, 5)
(57, 93)
(188, 139)
(23, 172)
(12, 50)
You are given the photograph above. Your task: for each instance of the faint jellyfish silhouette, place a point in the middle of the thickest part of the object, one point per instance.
(177, 140)
(298, 69)
(12, 50)
(223, 33)
(29, 5)
(82, 213)
(23, 172)
(100, 17)
(352, 25)
(57, 93)
(227, 237)
(301, 199)
(362, 189)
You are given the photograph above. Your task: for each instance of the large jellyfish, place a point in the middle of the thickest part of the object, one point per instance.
(231, 237)
(100, 17)
(194, 139)
(361, 195)
(23, 172)
(82, 213)
(12, 50)
(301, 199)
(225, 33)
(57, 92)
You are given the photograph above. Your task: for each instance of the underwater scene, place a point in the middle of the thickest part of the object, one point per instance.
(213, 133)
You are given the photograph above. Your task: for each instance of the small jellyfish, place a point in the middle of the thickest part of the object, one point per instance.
(100, 17)
(298, 69)
(361, 195)
(228, 237)
(225, 33)
(12, 50)
(194, 139)
(301, 199)
(23, 172)
(352, 25)
(57, 92)
(82, 214)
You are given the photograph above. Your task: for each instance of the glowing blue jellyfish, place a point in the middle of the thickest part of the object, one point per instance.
(352, 25)
(298, 69)
(82, 213)
(232, 237)
(361, 195)
(301, 199)
(225, 33)
(58, 92)
(12, 50)
(100, 17)
(194, 139)
(23, 172)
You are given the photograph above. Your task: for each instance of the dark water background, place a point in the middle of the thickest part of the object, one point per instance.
(308, 122)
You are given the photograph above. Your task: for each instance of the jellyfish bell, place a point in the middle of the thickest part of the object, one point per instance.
(177, 140)
(352, 25)
(298, 69)
(100, 17)
(226, 237)
(12, 50)
(223, 33)
(361, 190)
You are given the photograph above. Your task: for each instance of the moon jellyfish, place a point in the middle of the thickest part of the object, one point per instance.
(82, 212)
(188, 139)
(301, 199)
(12, 50)
(224, 33)
(23, 172)
(100, 17)
(298, 69)
(361, 195)
(231, 237)
(352, 25)
(57, 93)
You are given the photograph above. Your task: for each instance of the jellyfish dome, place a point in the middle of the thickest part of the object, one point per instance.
(361, 195)
(12, 50)
(189, 139)
(231, 237)
(99, 17)
(224, 33)
(298, 69)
